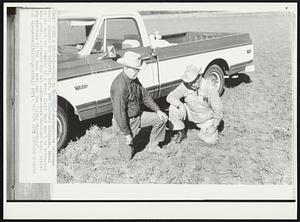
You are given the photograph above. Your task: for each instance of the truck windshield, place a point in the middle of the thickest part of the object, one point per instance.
(73, 34)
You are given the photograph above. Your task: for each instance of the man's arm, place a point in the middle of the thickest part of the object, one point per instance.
(174, 97)
(119, 102)
(148, 100)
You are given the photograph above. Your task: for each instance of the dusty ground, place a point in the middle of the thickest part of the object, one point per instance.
(256, 144)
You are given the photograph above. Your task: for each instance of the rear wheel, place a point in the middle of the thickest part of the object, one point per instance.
(216, 75)
(62, 128)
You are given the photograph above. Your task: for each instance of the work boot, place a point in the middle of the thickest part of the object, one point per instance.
(155, 149)
(181, 135)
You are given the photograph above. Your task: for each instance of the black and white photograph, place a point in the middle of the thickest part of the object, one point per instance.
(185, 101)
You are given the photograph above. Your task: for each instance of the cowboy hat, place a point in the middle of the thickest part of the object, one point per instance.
(132, 60)
(190, 74)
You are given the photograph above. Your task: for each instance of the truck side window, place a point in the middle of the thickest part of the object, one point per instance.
(99, 43)
(123, 33)
(73, 34)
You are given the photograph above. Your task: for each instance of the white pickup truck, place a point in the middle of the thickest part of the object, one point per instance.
(89, 44)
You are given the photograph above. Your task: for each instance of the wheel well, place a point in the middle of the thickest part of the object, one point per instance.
(220, 62)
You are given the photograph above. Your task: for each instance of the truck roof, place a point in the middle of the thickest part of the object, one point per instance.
(93, 13)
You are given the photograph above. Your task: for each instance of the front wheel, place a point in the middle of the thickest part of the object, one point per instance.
(62, 128)
(216, 74)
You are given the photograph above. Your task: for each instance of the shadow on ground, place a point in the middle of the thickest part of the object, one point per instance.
(237, 79)
(79, 128)
(142, 139)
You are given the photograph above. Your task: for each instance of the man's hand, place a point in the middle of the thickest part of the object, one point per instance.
(162, 115)
(128, 139)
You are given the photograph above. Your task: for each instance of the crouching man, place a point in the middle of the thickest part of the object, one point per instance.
(202, 105)
(126, 94)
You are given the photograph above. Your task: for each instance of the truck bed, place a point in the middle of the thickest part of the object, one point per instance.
(190, 43)
(185, 37)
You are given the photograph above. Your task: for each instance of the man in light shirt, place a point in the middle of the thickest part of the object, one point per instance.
(202, 105)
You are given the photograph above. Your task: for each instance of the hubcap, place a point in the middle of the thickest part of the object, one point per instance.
(215, 79)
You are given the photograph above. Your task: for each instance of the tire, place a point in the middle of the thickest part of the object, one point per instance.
(216, 74)
(62, 128)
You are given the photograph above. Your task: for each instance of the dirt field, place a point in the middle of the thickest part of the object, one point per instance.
(255, 146)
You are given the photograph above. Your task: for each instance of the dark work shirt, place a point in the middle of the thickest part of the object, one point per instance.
(126, 95)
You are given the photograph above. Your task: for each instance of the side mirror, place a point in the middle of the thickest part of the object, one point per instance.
(130, 43)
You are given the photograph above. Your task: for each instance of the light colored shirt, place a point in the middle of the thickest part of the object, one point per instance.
(204, 103)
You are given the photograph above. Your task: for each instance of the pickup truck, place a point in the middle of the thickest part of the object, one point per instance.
(90, 43)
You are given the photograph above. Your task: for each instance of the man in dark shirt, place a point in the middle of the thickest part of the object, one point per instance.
(126, 94)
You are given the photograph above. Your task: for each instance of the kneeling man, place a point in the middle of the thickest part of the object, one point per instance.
(126, 95)
(202, 105)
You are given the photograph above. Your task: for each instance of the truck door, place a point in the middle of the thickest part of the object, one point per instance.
(124, 35)
(75, 82)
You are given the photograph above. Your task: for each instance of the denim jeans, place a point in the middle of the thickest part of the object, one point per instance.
(146, 119)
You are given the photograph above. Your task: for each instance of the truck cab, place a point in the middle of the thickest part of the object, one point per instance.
(90, 34)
